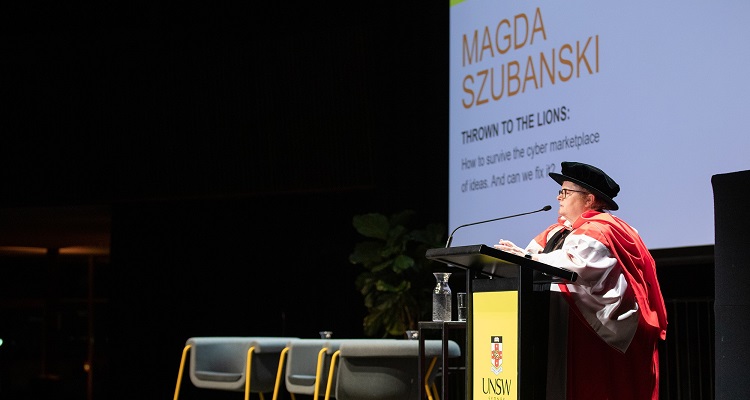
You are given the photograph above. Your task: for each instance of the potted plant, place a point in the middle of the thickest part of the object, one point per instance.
(397, 280)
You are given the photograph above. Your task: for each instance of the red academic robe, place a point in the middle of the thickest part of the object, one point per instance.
(596, 370)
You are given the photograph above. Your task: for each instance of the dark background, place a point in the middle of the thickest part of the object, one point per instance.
(227, 147)
(143, 102)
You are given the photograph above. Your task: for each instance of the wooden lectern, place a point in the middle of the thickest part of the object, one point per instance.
(507, 327)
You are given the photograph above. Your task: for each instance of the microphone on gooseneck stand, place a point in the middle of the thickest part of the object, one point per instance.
(450, 238)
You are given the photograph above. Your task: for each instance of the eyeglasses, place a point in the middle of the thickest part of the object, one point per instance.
(564, 192)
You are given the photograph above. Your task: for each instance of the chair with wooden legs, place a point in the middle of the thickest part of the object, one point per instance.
(248, 364)
(307, 366)
(383, 369)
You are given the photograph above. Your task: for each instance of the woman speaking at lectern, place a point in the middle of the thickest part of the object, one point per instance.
(605, 326)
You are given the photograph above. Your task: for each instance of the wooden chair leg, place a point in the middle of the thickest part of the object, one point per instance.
(426, 382)
(179, 373)
(248, 370)
(280, 373)
(318, 371)
(330, 374)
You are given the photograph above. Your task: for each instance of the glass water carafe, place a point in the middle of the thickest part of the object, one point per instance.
(441, 298)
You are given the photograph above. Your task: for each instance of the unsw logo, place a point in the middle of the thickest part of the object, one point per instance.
(496, 354)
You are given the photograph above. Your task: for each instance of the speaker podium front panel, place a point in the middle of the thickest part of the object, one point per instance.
(495, 338)
(507, 324)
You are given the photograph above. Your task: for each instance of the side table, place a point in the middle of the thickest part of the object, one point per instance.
(445, 330)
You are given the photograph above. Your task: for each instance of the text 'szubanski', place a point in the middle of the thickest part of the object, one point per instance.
(495, 74)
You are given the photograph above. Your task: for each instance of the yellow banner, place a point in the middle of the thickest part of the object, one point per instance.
(495, 339)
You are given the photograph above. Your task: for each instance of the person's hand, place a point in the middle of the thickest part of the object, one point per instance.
(510, 247)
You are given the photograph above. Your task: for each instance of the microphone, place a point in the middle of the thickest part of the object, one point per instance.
(450, 238)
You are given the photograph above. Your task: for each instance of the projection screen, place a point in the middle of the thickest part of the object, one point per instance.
(655, 94)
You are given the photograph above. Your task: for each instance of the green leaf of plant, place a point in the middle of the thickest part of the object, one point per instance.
(371, 225)
(366, 252)
(402, 263)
